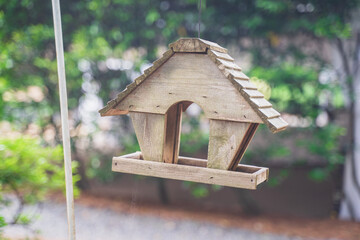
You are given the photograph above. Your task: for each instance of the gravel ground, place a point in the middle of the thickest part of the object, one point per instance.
(100, 223)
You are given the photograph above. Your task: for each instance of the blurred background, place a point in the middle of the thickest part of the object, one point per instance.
(304, 56)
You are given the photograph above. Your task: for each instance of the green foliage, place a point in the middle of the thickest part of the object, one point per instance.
(278, 178)
(318, 174)
(199, 190)
(100, 164)
(30, 171)
(24, 219)
(272, 6)
(325, 145)
(274, 150)
(95, 31)
(2, 222)
(195, 140)
(100, 170)
(295, 89)
(131, 144)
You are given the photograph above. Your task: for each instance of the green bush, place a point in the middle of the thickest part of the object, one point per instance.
(29, 171)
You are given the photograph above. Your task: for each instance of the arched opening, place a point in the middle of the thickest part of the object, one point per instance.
(222, 143)
(186, 132)
(194, 136)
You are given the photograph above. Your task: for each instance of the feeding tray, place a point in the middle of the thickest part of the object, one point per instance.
(197, 71)
(191, 169)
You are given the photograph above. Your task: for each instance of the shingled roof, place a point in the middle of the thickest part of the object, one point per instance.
(226, 65)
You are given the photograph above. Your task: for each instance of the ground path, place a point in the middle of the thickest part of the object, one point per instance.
(106, 223)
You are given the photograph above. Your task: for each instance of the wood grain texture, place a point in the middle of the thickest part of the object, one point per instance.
(188, 45)
(261, 102)
(195, 45)
(270, 113)
(172, 133)
(109, 109)
(213, 46)
(250, 132)
(277, 124)
(245, 84)
(227, 64)
(215, 54)
(195, 78)
(203, 162)
(134, 155)
(190, 173)
(253, 93)
(253, 108)
(198, 162)
(234, 74)
(150, 132)
(224, 140)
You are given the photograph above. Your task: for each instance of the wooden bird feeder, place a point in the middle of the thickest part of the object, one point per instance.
(194, 71)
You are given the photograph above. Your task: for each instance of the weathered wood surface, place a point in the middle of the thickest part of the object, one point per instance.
(253, 93)
(227, 64)
(277, 124)
(195, 45)
(190, 173)
(213, 46)
(110, 109)
(134, 155)
(198, 162)
(150, 132)
(172, 133)
(225, 138)
(215, 54)
(188, 45)
(195, 78)
(261, 102)
(250, 132)
(223, 62)
(239, 168)
(245, 84)
(270, 113)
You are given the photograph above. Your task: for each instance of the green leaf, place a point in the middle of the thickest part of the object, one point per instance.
(318, 174)
(24, 220)
(273, 182)
(151, 17)
(200, 191)
(2, 222)
(271, 6)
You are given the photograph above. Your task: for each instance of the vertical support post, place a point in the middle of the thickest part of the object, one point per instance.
(64, 118)
(172, 133)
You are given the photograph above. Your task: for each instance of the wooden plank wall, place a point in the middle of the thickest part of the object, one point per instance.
(150, 132)
(192, 77)
(225, 138)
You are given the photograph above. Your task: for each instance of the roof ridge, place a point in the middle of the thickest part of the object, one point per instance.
(195, 45)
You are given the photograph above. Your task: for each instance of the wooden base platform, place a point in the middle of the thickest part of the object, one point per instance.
(191, 169)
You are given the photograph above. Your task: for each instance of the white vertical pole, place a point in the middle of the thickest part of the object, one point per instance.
(64, 118)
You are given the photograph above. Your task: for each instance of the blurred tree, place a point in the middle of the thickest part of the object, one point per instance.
(108, 43)
(28, 171)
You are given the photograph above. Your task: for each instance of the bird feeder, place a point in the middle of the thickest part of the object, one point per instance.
(194, 71)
